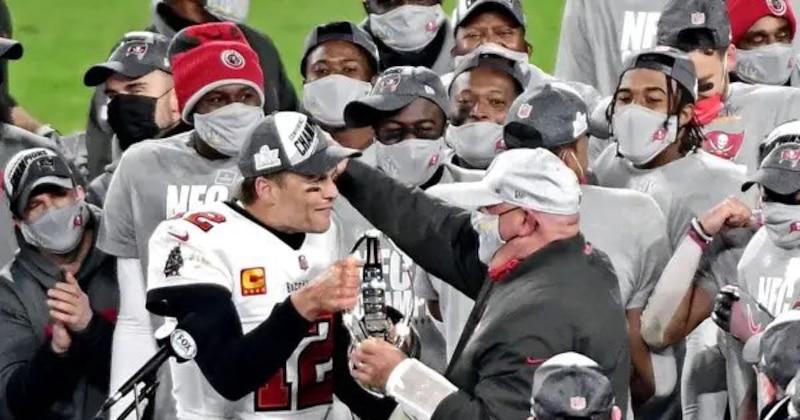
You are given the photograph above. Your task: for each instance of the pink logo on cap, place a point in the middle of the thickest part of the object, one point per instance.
(777, 7)
(524, 111)
(233, 59)
(388, 84)
(790, 155)
(577, 403)
(139, 50)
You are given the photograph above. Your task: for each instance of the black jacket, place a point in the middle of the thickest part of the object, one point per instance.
(35, 383)
(565, 297)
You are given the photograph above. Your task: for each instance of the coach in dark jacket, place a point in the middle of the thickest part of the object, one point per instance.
(548, 291)
(58, 297)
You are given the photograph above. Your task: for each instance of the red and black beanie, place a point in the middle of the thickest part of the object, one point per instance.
(745, 13)
(205, 57)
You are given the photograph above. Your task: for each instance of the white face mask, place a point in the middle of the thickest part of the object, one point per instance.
(770, 65)
(476, 143)
(489, 240)
(782, 222)
(326, 98)
(226, 128)
(640, 132)
(408, 28)
(494, 49)
(59, 230)
(369, 155)
(412, 161)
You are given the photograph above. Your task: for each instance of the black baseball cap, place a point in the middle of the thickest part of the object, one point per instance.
(777, 348)
(466, 9)
(138, 54)
(779, 171)
(672, 62)
(395, 89)
(32, 168)
(10, 49)
(289, 141)
(496, 62)
(571, 385)
(547, 116)
(679, 16)
(340, 31)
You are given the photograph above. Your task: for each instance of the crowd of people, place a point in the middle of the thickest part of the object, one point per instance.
(617, 240)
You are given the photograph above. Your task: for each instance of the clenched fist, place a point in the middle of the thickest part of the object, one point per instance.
(728, 214)
(337, 289)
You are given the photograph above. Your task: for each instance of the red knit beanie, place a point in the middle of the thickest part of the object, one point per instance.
(745, 13)
(205, 57)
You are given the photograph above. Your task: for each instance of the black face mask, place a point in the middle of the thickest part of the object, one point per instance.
(133, 118)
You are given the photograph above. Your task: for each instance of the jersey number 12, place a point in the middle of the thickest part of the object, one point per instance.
(307, 376)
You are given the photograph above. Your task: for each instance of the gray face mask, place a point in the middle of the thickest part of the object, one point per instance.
(769, 65)
(408, 28)
(640, 132)
(225, 129)
(476, 143)
(59, 230)
(326, 98)
(228, 10)
(782, 222)
(489, 241)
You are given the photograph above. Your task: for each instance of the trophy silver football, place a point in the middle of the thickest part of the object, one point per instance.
(374, 318)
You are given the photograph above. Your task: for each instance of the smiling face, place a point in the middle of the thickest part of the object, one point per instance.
(482, 94)
(299, 203)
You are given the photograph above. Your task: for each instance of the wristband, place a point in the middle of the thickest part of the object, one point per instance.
(697, 228)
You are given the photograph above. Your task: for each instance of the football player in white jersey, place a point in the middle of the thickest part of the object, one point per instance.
(220, 92)
(257, 284)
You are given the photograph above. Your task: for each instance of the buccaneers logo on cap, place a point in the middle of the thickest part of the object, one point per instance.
(777, 7)
(233, 59)
(139, 50)
(524, 111)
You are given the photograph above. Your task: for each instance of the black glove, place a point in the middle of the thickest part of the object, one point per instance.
(738, 313)
(723, 304)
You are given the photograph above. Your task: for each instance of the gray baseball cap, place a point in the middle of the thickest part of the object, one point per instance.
(138, 54)
(547, 116)
(534, 179)
(340, 31)
(494, 61)
(10, 49)
(777, 348)
(289, 141)
(571, 385)
(683, 15)
(671, 61)
(466, 9)
(32, 168)
(779, 171)
(394, 90)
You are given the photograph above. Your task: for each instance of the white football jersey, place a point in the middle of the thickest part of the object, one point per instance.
(219, 245)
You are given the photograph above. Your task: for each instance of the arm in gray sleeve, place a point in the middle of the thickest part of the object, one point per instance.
(31, 375)
(574, 60)
(674, 284)
(117, 234)
(439, 238)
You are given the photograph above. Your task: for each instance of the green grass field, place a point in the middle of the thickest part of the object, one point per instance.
(62, 38)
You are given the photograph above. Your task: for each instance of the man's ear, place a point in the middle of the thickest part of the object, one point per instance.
(686, 115)
(174, 108)
(731, 58)
(267, 190)
(616, 413)
(768, 389)
(80, 193)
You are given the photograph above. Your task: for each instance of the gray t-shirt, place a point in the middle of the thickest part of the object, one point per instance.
(770, 274)
(597, 35)
(156, 180)
(683, 189)
(762, 108)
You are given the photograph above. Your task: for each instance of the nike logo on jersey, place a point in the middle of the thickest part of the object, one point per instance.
(181, 236)
(183, 198)
(638, 32)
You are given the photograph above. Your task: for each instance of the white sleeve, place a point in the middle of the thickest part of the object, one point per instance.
(675, 281)
(133, 336)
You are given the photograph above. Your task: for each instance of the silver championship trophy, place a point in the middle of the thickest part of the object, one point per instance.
(374, 319)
